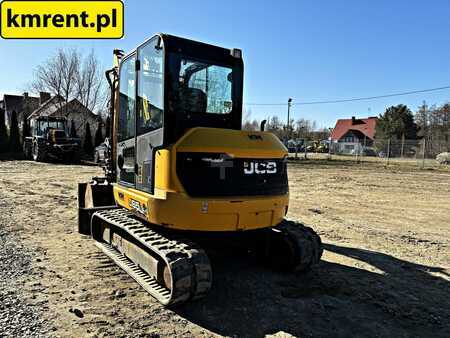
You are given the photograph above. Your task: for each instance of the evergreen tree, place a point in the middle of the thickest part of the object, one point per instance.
(73, 130)
(3, 134)
(397, 122)
(108, 127)
(87, 145)
(25, 128)
(98, 138)
(422, 119)
(14, 136)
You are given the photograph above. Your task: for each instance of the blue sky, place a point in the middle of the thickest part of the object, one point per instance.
(307, 50)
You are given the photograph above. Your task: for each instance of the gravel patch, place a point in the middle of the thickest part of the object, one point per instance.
(17, 317)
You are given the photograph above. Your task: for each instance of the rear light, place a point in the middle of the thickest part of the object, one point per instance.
(237, 53)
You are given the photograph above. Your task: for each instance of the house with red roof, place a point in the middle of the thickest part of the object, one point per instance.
(353, 134)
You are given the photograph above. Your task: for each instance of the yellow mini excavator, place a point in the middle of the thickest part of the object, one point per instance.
(180, 170)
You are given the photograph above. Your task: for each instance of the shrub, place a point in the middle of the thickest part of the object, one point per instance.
(98, 135)
(73, 130)
(25, 128)
(3, 134)
(88, 147)
(14, 136)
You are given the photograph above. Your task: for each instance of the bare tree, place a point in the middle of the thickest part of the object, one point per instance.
(90, 85)
(434, 123)
(251, 125)
(303, 128)
(70, 75)
(274, 124)
(57, 75)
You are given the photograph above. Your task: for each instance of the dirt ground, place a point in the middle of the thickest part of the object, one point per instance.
(385, 271)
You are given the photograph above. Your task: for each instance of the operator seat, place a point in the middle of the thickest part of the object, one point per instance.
(195, 100)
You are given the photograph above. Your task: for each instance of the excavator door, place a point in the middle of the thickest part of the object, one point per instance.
(126, 134)
(140, 129)
(149, 111)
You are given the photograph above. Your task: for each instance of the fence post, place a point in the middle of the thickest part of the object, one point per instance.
(361, 156)
(388, 152)
(403, 145)
(306, 151)
(364, 147)
(423, 152)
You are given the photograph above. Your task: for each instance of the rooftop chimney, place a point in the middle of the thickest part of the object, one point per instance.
(43, 96)
(353, 120)
(25, 95)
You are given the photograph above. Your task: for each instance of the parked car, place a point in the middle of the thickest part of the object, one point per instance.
(101, 152)
(317, 147)
(295, 145)
(443, 158)
(364, 152)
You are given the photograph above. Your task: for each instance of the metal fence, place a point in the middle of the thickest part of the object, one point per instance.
(422, 153)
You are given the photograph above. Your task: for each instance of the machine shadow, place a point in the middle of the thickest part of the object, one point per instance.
(399, 298)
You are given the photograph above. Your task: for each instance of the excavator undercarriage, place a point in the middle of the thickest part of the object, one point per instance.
(171, 265)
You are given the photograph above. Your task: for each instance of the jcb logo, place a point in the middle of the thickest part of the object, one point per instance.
(268, 167)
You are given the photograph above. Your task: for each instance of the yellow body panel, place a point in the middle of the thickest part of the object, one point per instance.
(162, 170)
(236, 143)
(179, 211)
(171, 207)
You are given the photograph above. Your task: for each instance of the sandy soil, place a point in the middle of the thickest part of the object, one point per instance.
(385, 271)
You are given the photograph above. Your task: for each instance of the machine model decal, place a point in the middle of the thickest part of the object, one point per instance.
(135, 205)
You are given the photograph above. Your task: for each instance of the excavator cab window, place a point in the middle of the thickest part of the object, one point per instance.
(205, 88)
(150, 89)
(127, 99)
(126, 128)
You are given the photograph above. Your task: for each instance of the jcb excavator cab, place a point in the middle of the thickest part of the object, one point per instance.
(182, 168)
(167, 86)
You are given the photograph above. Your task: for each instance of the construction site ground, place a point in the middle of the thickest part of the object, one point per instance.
(385, 270)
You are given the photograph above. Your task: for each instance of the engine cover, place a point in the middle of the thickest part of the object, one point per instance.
(213, 174)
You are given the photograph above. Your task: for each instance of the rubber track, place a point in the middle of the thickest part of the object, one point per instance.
(189, 264)
(307, 242)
